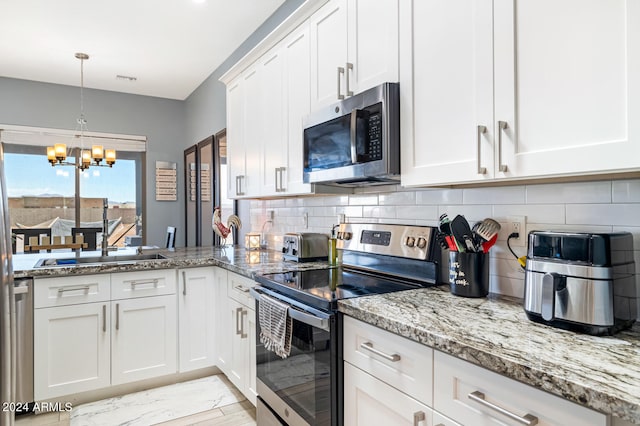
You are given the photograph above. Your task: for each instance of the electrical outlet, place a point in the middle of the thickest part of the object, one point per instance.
(517, 224)
(341, 218)
(270, 214)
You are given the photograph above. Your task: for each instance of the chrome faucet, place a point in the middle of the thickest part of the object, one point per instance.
(105, 227)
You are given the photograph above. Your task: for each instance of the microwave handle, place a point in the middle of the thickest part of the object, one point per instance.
(354, 135)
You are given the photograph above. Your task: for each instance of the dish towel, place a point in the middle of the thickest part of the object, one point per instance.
(275, 325)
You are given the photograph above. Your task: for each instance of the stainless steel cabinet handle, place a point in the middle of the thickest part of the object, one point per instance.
(481, 131)
(242, 288)
(502, 125)
(346, 77)
(184, 283)
(63, 289)
(527, 419)
(240, 191)
(237, 185)
(243, 313)
(340, 71)
(418, 417)
(135, 283)
(238, 313)
(117, 316)
(282, 170)
(277, 169)
(104, 318)
(369, 347)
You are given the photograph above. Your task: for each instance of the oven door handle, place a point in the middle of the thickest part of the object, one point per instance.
(317, 319)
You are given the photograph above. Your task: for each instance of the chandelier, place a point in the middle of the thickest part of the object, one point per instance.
(57, 154)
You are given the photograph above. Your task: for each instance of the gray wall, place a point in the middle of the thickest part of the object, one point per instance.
(162, 121)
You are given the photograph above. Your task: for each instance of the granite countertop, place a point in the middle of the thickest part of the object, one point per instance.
(235, 259)
(602, 373)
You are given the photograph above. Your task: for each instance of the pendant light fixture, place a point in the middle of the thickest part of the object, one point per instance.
(57, 154)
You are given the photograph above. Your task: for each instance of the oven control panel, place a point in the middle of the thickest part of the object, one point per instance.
(409, 241)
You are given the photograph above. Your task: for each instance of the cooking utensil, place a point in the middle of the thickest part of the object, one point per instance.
(462, 232)
(488, 244)
(487, 229)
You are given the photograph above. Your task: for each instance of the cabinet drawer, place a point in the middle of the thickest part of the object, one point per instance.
(71, 290)
(368, 401)
(141, 284)
(456, 382)
(238, 289)
(400, 362)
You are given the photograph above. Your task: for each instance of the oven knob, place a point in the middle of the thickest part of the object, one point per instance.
(410, 242)
(294, 252)
(422, 243)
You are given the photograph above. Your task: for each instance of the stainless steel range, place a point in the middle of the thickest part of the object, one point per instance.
(305, 388)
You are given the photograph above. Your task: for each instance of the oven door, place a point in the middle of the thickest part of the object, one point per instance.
(303, 388)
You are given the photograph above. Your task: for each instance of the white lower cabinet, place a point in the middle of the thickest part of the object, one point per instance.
(94, 331)
(370, 401)
(196, 318)
(223, 321)
(71, 349)
(392, 380)
(143, 338)
(241, 336)
(472, 395)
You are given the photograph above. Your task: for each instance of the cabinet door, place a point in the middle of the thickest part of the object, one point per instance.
(196, 318)
(144, 338)
(369, 401)
(328, 53)
(298, 102)
(373, 43)
(446, 81)
(270, 121)
(252, 131)
(239, 360)
(223, 322)
(71, 349)
(567, 85)
(250, 341)
(235, 137)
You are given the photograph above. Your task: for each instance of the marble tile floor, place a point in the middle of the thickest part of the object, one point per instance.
(211, 401)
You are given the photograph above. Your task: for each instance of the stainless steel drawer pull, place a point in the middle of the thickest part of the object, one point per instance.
(83, 288)
(243, 335)
(184, 283)
(527, 419)
(117, 316)
(346, 77)
(153, 281)
(481, 131)
(502, 125)
(238, 320)
(369, 347)
(242, 288)
(104, 318)
(418, 417)
(340, 71)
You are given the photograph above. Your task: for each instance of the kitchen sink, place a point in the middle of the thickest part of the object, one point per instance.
(97, 260)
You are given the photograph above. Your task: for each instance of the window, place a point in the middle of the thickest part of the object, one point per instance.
(42, 196)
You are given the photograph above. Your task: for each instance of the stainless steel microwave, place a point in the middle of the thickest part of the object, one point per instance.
(356, 141)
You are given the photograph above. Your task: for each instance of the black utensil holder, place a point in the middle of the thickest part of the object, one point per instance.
(469, 274)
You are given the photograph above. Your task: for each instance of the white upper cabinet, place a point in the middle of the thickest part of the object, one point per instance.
(354, 47)
(507, 90)
(235, 140)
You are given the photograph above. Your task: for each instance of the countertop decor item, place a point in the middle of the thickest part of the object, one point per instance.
(57, 154)
(252, 241)
(223, 230)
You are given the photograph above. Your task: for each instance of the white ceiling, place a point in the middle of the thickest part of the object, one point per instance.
(170, 46)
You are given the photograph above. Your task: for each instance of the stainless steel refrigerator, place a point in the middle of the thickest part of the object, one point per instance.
(7, 308)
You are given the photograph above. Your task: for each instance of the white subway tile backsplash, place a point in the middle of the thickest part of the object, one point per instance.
(500, 195)
(626, 191)
(569, 193)
(407, 198)
(604, 214)
(599, 206)
(439, 196)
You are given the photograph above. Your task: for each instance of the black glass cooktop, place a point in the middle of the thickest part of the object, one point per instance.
(322, 288)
